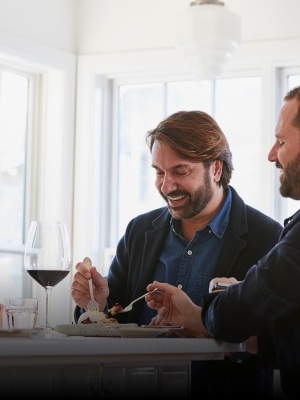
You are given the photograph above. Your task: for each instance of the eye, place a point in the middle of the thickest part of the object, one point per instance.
(181, 173)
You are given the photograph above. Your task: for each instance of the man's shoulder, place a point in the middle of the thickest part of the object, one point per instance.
(157, 212)
(253, 215)
(158, 216)
(261, 217)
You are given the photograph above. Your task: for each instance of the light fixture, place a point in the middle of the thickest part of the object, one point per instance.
(209, 34)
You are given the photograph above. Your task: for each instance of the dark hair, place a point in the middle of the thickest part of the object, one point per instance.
(294, 94)
(196, 136)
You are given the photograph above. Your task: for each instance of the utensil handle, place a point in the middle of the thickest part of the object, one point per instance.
(91, 289)
(152, 291)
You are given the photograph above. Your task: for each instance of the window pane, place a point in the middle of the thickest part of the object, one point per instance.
(13, 117)
(13, 275)
(141, 108)
(238, 112)
(13, 125)
(188, 96)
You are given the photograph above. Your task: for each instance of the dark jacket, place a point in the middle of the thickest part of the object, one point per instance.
(249, 235)
(269, 297)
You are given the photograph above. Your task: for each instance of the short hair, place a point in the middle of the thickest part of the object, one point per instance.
(195, 136)
(294, 94)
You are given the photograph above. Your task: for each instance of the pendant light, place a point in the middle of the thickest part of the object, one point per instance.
(209, 34)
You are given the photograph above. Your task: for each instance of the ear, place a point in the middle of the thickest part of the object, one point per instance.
(217, 167)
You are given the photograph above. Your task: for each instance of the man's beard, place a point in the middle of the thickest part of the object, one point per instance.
(193, 207)
(290, 185)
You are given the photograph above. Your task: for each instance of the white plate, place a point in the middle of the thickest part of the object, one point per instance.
(96, 329)
(145, 331)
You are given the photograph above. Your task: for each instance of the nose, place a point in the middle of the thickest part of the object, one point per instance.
(272, 156)
(167, 185)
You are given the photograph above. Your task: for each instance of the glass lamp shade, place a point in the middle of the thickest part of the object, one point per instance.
(209, 34)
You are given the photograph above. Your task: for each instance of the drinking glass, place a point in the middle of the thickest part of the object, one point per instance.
(47, 257)
(21, 313)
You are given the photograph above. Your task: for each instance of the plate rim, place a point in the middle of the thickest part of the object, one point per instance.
(144, 331)
(96, 329)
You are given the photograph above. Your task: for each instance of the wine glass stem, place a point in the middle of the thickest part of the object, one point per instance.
(48, 293)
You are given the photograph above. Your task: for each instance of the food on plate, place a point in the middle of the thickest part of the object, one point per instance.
(115, 309)
(91, 317)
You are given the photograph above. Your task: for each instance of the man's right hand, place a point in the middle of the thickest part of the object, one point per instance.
(80, 287)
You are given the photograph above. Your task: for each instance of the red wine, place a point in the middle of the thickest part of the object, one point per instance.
(47, 277)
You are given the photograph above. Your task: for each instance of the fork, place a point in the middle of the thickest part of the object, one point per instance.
(92, 304)
(129, 307)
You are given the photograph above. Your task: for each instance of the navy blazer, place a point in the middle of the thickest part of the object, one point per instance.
(269, 297)
(250, 234)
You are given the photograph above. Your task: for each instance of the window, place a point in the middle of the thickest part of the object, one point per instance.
(242, 102)
(13, 136)
(13, 128)
(234, 102)
(114, 180)
(36, 147)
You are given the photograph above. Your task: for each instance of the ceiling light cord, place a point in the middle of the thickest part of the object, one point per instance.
(199, 2)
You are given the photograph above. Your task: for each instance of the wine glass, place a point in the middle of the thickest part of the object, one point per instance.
(47, 257)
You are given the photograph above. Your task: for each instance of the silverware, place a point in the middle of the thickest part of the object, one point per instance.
(129, 307)
(92, 304)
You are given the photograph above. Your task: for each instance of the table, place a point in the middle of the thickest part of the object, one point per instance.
(105, 367)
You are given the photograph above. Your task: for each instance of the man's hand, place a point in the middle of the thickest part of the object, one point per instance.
(216, 284)
(174, 307)
(80, 288)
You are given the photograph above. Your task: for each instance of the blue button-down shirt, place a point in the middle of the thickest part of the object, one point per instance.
(191, 265)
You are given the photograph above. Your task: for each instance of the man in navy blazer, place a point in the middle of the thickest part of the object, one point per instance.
(206, 230)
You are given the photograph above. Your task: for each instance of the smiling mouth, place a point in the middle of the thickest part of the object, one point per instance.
(174, 199)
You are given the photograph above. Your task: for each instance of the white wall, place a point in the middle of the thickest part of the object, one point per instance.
(131, 25)
(45, 22)
(91, 27)
(104, 26)
(140, 36)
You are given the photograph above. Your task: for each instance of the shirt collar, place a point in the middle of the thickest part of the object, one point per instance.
(220, 221)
